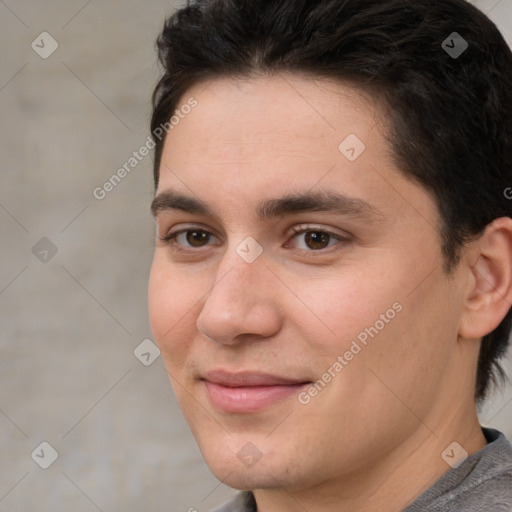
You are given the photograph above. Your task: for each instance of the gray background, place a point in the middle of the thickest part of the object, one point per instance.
(70, 324)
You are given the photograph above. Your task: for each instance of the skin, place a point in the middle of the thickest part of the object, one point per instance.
(372, 438)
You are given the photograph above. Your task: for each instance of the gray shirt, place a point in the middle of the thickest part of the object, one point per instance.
(482, 483)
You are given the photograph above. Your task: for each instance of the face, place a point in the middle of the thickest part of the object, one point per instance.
(298, 299)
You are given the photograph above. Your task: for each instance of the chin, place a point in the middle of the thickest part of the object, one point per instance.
(245, 479)
(267, 469)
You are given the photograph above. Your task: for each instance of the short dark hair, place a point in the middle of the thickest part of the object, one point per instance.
(450, 114)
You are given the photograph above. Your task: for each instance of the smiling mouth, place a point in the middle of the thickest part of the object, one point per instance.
(246, 392)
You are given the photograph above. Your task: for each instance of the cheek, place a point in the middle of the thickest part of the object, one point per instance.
(379, 312)
(170, 303)
(341, 306)
(411, 357)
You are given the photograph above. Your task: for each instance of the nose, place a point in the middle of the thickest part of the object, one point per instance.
(242, 302)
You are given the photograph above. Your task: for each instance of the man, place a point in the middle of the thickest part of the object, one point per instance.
(332, 280)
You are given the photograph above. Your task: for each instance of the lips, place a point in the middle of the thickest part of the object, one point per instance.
(248, 379)
(246, 392)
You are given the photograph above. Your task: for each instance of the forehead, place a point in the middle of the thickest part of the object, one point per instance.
(279, 111)
(280, 122)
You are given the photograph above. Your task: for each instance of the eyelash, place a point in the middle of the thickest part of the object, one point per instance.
(170, 239)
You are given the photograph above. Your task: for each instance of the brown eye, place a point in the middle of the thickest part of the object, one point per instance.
(195, 237)
(312, 240)
(189, 239)
(317, 239)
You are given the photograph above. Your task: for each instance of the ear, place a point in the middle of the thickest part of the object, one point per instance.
(489, 293)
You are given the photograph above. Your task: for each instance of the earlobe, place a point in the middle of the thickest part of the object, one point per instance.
(489, 294)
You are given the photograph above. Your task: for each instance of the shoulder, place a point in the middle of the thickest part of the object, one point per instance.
(483, 482)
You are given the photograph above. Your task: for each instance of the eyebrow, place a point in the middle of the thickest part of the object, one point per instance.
(308, 201)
